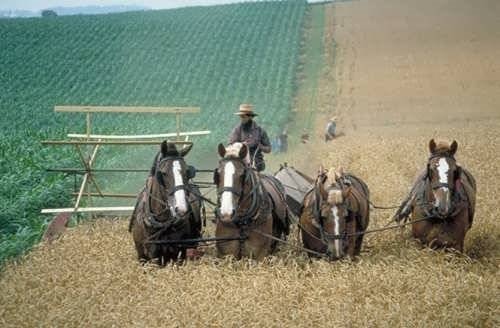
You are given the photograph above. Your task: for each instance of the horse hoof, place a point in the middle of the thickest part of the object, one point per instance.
(432, 244)
(194, 254)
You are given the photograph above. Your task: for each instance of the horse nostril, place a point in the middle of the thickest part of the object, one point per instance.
(442, 210)
(179, 210)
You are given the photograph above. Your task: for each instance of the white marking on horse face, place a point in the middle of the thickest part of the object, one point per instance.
(335, 197)
(335, 213)
(233, 150)
(180, 195)
(436, 201)
(443, 169)
(226, 207)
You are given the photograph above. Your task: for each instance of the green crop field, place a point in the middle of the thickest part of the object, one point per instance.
(212, 57)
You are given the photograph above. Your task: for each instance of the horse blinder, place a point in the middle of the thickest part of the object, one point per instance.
(216, 177)
(159, 178)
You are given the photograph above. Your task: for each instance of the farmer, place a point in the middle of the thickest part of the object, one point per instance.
(331, 126)
(249, 133)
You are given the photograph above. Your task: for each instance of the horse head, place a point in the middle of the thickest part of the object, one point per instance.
(230, 178)
(332, 193)
(171, 176)
(443, 173)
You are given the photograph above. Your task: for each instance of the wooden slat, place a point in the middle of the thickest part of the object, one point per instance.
(111, 142)
(133, 137)
(107, 194)
(126, 109)
(88, 209)
(83, 170)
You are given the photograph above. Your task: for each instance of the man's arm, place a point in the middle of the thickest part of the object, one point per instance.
(235, 135)
(265, 144)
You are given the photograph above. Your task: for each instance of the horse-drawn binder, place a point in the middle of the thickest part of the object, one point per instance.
(296, 185)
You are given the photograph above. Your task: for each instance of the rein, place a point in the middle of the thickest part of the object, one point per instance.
(457, 201)
(345, 235)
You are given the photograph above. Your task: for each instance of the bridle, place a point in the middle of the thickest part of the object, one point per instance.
(455, 199)
(169, 217)
(255, 194)
(341, 184)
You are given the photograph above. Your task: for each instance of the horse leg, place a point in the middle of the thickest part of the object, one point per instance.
(424, 231)
(359, 242)
(225, 248)
(456, 230)
(258, 246)
(277, 232)
(139, 235)
(361, 228)
(351, 229)
(182, 256)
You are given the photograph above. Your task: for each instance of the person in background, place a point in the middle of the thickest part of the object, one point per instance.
(331, 126)
(283, 137)
(254, 136)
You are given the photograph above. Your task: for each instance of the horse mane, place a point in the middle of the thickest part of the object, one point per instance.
(233, 151)
(332, 175)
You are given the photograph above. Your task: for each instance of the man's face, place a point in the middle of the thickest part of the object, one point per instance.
(245, 118)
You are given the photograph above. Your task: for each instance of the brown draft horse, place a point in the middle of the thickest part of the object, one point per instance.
(334, 214)
(167, 208)
(248, 203)
(442, 199)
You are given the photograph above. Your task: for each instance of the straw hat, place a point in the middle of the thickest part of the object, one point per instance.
(246, 109)
(333, 119)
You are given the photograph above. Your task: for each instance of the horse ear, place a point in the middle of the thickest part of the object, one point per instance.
(185, 150)
(453, 147)
(320, 181)
(222, 150)
(243, 151)
(340, 169)
(339, 172)
(168, 149)
(432, 146)
(164, 148)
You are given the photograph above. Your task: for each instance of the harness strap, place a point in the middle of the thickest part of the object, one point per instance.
(231, 190)
(177, 188)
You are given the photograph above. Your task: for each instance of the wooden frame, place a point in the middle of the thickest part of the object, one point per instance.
(127, 209)
(144, 136)
(95, 141)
